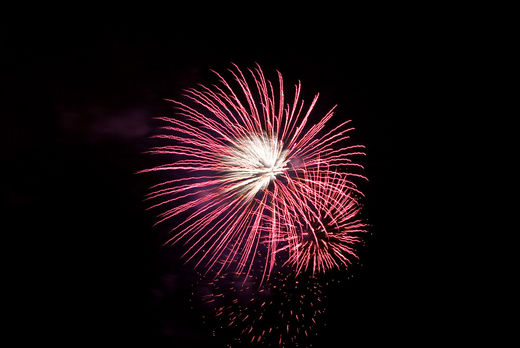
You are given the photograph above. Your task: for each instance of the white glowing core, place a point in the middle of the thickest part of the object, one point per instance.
(253, 162)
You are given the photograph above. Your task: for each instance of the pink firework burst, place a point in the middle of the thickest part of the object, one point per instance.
(237, 153)
(322, 226)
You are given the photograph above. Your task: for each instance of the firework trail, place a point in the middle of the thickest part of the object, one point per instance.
(245, 160)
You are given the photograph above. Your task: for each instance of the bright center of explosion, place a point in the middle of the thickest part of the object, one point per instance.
(253, 162)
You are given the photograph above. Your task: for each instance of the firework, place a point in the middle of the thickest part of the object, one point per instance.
(243, 158)
(324, 230)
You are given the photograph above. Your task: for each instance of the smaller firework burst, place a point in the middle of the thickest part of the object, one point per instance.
(323, 233)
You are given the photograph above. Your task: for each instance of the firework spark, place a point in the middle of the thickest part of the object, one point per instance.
(282, 311)
(243, 159)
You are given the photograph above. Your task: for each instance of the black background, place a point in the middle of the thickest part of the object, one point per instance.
(82, 94)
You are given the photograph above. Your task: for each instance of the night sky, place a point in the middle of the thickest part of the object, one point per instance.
(82, 95)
